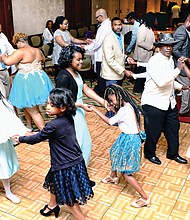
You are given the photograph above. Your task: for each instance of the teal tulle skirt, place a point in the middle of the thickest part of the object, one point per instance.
(30, 89)
(8, 160)
(125, 153)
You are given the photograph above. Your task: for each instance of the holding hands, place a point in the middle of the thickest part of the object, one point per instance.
(182, 64)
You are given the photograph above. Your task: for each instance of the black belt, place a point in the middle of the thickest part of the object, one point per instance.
(3, 69)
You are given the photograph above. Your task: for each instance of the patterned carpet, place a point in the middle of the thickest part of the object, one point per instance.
(168, 184)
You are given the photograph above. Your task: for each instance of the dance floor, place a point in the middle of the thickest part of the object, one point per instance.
(168, 184)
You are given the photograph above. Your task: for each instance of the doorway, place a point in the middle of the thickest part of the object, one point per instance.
(6, 19)
(79, 15)
(140, 8)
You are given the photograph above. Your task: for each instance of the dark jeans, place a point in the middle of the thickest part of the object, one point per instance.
(157, 121)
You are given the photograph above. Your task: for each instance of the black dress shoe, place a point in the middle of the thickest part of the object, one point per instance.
(154, 160)
(178, 159)
(54, 210)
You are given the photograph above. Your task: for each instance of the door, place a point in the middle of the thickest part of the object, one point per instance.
(6, 18)
(140, 7)
(78, 13)
(113, 8)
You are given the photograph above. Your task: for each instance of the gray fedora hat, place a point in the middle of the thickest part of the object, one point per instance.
(166, 39)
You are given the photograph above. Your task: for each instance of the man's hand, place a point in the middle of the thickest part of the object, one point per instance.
(185, 87)
(128, 73)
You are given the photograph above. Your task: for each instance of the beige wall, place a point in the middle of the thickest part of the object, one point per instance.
(126, 6)
(30, 16)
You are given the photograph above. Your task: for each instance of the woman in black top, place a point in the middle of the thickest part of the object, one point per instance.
(70, 62)
(67, 180)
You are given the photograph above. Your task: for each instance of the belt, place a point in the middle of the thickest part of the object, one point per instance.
(3, 69)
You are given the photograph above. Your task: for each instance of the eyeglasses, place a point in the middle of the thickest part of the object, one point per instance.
(98, 16)
(65, 24)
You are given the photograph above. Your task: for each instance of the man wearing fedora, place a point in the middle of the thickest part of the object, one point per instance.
(159, 104)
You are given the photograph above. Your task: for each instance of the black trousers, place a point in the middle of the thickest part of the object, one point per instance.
(101, 85)
(139, 83)
(157, 121)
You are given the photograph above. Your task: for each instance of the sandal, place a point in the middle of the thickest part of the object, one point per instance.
(109, 179)
(143, 203)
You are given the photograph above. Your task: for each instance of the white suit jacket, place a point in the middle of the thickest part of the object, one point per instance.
(113, 58)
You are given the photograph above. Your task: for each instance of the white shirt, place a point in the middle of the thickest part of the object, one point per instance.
(175, 11)
(5, 46)
(126, 120)
(57, 48)
(48, 37)
(96, 45)
(159, 85)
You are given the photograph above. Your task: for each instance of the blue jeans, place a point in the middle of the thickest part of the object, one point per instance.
(110, 82)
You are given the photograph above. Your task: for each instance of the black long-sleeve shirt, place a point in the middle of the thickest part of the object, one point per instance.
(64, 148)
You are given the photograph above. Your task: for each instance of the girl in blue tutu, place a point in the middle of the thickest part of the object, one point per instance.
(125, 152)
(31, 85)
(67, 179)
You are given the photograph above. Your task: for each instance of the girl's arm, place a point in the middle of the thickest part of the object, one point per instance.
(12, 59)
(101, 115)
(86, 107)
(91, 94)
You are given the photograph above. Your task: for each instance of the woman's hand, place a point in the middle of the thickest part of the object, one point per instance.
(16, 138)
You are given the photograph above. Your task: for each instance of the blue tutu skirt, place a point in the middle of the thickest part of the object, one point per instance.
(70, 185)
(125, 153)
(30, 89)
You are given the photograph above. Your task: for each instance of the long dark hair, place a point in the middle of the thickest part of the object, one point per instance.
(122, 95)
(149, 19)
(67, 54)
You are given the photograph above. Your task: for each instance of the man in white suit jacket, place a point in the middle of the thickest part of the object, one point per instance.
(113, 57)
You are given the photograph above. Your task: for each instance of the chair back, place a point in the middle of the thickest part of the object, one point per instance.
(93, 28)
(86, 65)
(45, 49)
(85, 29)
(73, 32)
(80, 32)
(36, 41)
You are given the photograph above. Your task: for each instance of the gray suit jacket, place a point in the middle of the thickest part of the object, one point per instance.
(182, 48)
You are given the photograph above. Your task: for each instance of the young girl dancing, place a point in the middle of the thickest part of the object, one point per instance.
(67, 179)
(125, 152)
(10, 125)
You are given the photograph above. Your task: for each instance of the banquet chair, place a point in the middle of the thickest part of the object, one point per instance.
(80, 32)
(36, 41)
(93, 28)
(85, 29)
(73, 32)
(87, 71)
(48, 61)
